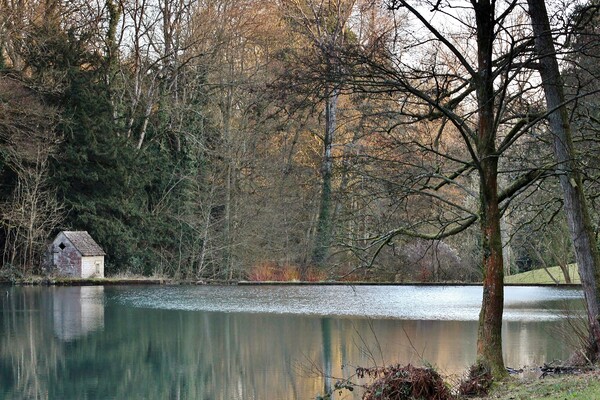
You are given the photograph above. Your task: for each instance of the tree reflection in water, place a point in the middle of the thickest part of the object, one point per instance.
(74, 343)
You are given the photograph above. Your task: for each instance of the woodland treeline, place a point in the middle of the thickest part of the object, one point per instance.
(238, 138)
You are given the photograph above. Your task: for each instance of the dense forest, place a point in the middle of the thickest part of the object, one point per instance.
(249, 139)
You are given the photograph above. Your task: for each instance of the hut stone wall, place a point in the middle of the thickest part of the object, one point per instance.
(66, 257)
(92, 266)
(75, 254)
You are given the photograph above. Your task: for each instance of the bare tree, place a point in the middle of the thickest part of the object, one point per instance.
(576, 209)
(28, 140)
(472, 82)
(323, 24)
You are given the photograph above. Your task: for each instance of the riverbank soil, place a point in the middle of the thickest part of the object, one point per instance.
(585, 386)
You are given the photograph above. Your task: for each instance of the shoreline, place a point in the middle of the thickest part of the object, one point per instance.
(61, 281)
(46, 281)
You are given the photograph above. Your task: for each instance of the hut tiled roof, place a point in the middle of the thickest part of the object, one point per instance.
(84, 243)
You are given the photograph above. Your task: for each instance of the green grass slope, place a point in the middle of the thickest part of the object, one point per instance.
(567, 387)
(541, 276)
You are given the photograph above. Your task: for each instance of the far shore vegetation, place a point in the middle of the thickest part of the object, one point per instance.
(274, 274)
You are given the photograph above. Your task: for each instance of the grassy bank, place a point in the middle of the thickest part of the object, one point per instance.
(541, 276)
(584, 386)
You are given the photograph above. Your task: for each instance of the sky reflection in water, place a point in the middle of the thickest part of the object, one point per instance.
(455, 303)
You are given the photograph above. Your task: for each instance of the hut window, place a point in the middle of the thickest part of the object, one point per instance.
(62, 246)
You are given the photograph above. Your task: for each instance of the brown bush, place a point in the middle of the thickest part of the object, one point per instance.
(478, 382)
(264, 271)
(398, 382)
(289, 273)
(272, 271)
(314, 274)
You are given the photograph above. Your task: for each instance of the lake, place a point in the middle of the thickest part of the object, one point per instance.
(253, 342)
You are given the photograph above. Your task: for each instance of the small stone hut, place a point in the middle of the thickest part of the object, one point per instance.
(76, 254)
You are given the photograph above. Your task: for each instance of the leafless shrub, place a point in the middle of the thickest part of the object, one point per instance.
(397, 382)
(431, 260)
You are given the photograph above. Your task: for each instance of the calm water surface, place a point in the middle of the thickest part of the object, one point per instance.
(252, 342)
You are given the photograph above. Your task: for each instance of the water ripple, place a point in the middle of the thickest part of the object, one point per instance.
(456, 303)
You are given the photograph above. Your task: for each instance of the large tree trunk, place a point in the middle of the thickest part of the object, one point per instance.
(586, 250)
(489, 337)
(229, 176)
(324, 222)
(507, 254)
